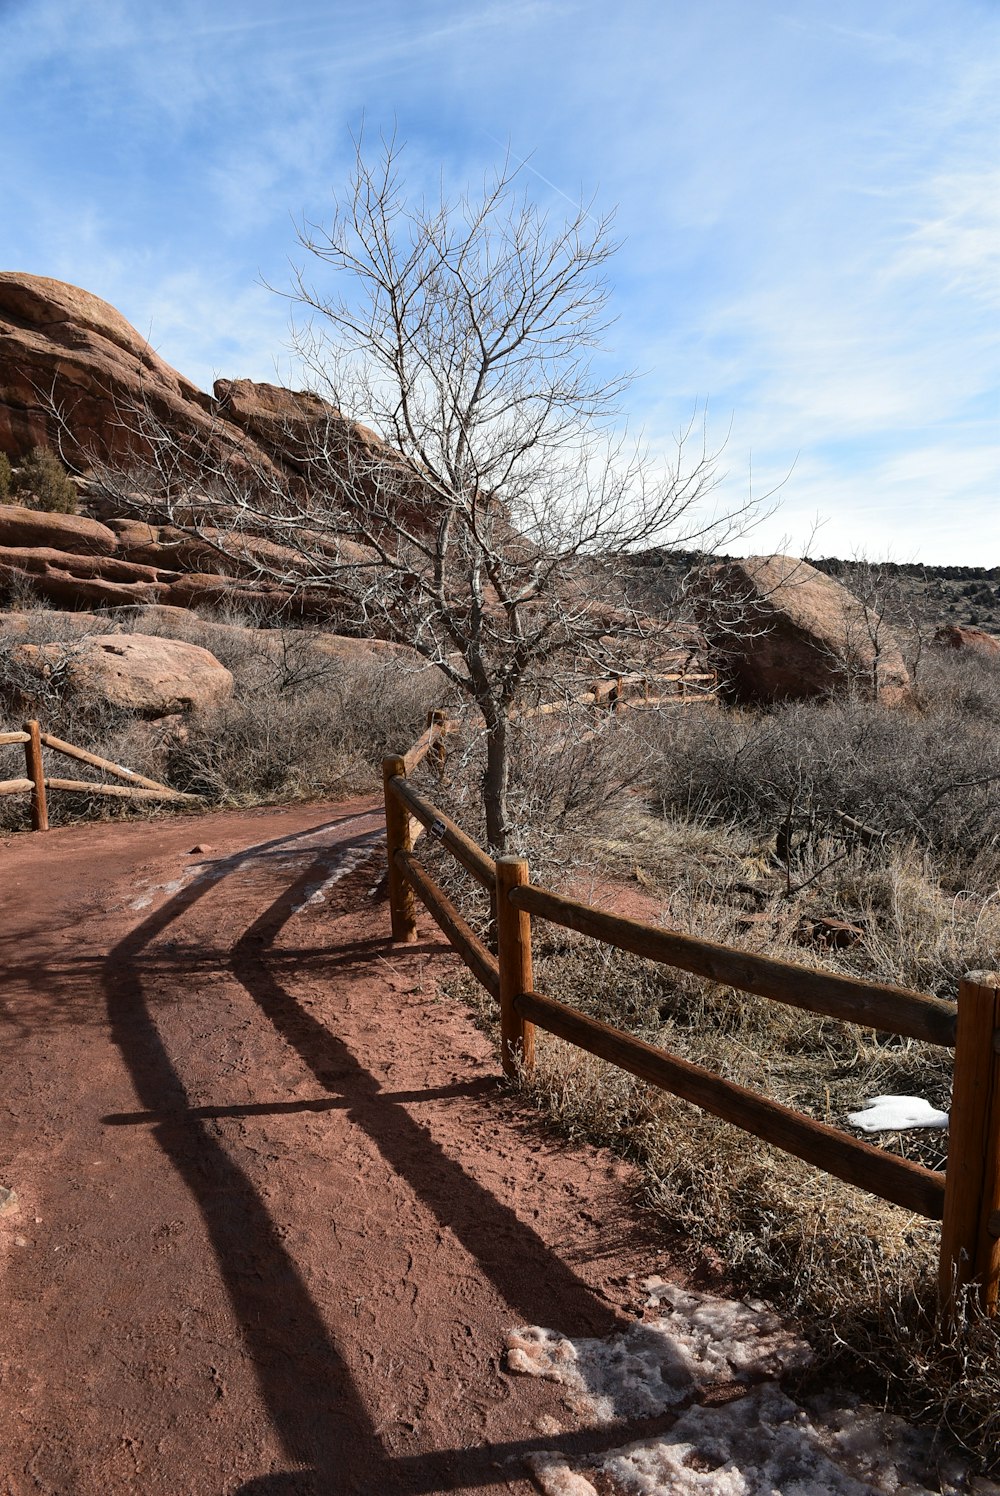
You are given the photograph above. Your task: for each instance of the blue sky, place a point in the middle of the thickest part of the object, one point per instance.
(808, 196)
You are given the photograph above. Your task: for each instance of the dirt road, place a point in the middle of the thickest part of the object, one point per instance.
(274, 1215)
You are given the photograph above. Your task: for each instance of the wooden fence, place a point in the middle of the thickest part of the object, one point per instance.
(965, 1198)
(37, 784)
(627, 692)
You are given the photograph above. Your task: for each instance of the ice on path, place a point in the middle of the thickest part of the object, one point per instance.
(761, 1444)
(895, 1113)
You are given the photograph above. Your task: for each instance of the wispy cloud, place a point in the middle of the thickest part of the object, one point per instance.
(809, 200)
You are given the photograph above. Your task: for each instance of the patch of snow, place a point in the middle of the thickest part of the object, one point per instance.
(896, 1113)
(656, 1364)
(315, 893)
(767, 1445)
(145, 899)
(760, 1444)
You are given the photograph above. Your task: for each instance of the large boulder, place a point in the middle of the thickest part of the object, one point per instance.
(284, 422)
(779, 630)
(968, 640)
(294, 426)
(151, 676)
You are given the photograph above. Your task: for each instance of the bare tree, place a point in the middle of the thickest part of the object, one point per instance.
(489, 523)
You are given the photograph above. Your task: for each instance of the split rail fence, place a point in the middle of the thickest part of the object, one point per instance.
(37, 783)
(965, 1197)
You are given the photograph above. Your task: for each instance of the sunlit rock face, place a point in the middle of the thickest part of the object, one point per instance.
(780, 630)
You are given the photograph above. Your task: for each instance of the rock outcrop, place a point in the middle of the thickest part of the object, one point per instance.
(64, 350)
(285, 423)
(968, 640)
(76, 562)
(151, 676)
(780, 630)
(62, 347)
(59, 341)
(72, 533)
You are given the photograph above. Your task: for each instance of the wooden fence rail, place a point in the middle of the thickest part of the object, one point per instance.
(965, 1197)
(37, 784)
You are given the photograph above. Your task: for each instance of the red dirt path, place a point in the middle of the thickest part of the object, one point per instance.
(275, 1211)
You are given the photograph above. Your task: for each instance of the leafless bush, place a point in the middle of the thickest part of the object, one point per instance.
(269, 743)
(570, 774)
(846, 774)
(953, 684)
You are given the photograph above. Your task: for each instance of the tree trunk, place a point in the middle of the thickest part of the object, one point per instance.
(495, 780)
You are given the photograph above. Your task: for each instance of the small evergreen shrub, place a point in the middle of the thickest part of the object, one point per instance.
(41, 478)
(6, 476)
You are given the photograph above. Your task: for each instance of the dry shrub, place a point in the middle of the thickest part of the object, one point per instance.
(571, 775)
(930, 778)
(300, 723)
(275, 742)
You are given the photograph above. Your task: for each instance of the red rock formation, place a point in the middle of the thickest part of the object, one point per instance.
(152, 676)
(969, 640)
(61, 343)
(64, 532)
(781, 631)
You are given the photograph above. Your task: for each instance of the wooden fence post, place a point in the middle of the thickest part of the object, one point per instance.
(402, 901)
(36, 773)
(970, 1230)
(517, 1038)
(438, 753)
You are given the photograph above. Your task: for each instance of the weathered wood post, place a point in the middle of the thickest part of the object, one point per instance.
(438, 752)
(36, 773)
(970, 1230)
(517, 1038)
(402, 901)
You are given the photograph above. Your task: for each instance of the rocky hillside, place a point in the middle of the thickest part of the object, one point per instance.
(73, 373)
(76, 378)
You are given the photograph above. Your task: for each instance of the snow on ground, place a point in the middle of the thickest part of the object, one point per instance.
(654, 1365)
(896, 1113)
(297, 850)
(760, 1444)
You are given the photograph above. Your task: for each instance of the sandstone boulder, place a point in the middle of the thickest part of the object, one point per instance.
(151, 676)
(292, 424)
(284, 422)
(779, 630)
(61, 532)
(969, 640)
